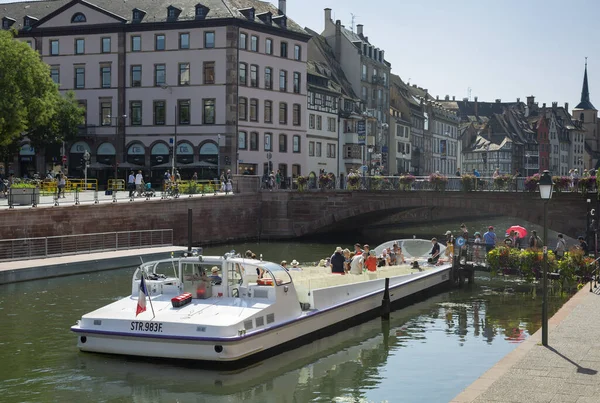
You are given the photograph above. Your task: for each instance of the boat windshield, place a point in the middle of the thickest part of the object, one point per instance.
(280, 274)
(158, 269)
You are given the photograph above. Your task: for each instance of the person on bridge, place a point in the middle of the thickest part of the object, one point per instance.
(561, 247)
(490, 239)
(583, 246)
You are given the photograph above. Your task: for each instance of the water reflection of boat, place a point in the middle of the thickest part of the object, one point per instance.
(254, 310)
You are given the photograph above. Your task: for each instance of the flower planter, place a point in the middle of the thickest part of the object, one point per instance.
(24, 196)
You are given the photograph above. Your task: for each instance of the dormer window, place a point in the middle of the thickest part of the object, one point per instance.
(265, 17)
(78, 17)
(7, 22)
(138, 15)
(280, 20)
(201, 11)
(173, 13)
(28, 21)
(248, 13)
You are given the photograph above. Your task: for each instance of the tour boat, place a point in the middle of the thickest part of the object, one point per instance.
(250, 310)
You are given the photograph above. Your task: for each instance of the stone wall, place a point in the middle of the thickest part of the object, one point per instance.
(215, 219)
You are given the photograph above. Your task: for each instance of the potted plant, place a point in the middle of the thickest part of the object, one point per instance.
(587, 184)
(468, 182)
(531, 182)
(302, 181)
(324, 181)
(561, 183)
(375, 182)
(406, 181)
(502, 181)
(23, 193)
(353, 179)
(438, 181)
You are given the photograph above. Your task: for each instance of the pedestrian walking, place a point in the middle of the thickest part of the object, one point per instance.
(131, 184)
(61, 183)
(489, 238)
(561, 246)
(139, 183)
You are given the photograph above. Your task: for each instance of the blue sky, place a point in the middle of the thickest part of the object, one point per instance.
(499, 49)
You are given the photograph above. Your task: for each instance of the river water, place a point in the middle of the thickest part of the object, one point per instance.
(427, 352)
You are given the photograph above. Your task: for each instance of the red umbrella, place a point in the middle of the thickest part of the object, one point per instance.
(518, 229)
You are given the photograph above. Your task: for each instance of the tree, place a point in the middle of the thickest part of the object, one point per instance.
(28, 96)
(64, 125)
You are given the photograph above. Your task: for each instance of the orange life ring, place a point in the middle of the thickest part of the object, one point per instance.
(265, 281)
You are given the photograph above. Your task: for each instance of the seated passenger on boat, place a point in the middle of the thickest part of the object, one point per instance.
(435, 251)
(337, 261)
(371, 262)
(284, 264)
(356, 264)
(295, 266)
(214, 277)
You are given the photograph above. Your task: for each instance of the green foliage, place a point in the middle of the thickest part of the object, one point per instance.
(502, 181)
(23, 185)
(467, 182)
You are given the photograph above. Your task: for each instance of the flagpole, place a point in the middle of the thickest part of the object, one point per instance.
(149, 298)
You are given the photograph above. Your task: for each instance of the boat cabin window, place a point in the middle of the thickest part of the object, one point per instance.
(159, 270)
(280, 275)
(199, 271)
(235, 274)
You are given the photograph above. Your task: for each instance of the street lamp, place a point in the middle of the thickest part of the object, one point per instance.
(116, 144)
(370, 150)
(527, 165)
(170, 89)
(86, 163)
(546, 187)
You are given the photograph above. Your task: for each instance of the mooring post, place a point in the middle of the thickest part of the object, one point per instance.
(385, 302)
(189, 230)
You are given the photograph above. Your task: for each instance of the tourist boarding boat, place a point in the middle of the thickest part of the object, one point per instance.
(253, 309)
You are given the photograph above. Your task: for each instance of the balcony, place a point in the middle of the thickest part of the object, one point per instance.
(87, 130)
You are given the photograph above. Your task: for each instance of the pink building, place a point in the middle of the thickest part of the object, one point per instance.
(199, 72)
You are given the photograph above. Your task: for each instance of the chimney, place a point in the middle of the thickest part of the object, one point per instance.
(518, 100)
(338, 41)
(359, 29)
(327, 16)
(382, 56)
(476, 108)
(453, 98)
(530, 101)
(281, 7)
(554, 106)
(567, 107)
(447, 98)
(465, 99)
(437, 97)
(498, 100)
(544, 109)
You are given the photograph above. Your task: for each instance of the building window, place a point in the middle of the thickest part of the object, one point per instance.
(296, 114)
(79, 77)
(282, 80)
(363, 74)
(253, 141)
(78, 17)
(296, 144)
(319, 122)
(55, 74)
(135, 111)
(254, 110)
(297, 52)
(183, 111)
(282, 113)
(159, 42)
(243, 108)
(200, 11)
(311, 121)
(269, 46)
(268, 142)
(330, 150)
(105, 113)
(105, 76)
(254, 43)
(209, 72)
(283, 49)
(331, 124)
(106, 48)
(184, 74)
(79, 46)
(209, 39)
(311, 148)
(253, 75)
(318, 149)
(283, 143)
(242, 137)
(159, 113)
(268, 78)
(136, 75)
(136, 43)
(54, 47)
(208, 114)
(184, 41)
(159, 75)
(268, 111)
(296, 83)
(243, 74)
(243, 40)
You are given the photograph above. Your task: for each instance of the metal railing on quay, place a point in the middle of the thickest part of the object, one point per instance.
(27, 248)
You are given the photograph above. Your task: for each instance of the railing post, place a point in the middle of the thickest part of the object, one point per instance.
(116, 241)
(10, 199)
(46, 246)
(33, 203)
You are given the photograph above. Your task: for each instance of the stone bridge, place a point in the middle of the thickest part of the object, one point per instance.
(288, 213)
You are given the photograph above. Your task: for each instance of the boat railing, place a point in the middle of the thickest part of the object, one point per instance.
(28, 248)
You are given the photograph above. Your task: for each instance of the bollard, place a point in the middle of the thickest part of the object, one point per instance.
(114, 196)
(33, 203)
(385, 302)
(96, 201)
(10, 199)
(77, 196)
(56, 199)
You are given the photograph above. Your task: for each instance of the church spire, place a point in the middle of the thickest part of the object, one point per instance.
(585, 93)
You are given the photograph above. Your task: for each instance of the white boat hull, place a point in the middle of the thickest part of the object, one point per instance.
(263, 342)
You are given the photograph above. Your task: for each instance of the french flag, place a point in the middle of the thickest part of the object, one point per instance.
(141, 305)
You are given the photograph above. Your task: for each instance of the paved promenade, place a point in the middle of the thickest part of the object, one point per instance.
(568, 370)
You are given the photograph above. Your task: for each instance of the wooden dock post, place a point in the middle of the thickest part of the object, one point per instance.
(385, 302)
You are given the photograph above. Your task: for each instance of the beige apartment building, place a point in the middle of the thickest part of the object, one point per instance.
(224, 81)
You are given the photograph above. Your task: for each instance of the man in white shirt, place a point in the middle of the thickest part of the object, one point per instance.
(356, 264)
(139, 183)
(131, 184)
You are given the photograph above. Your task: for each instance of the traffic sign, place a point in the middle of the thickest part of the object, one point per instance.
(64, 159)
(460, 241)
